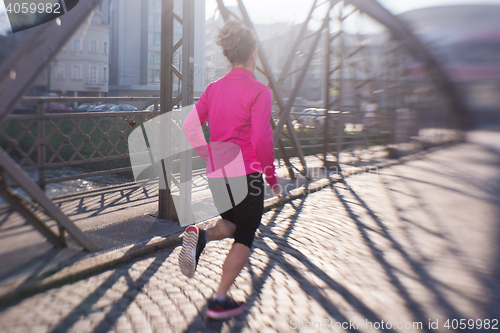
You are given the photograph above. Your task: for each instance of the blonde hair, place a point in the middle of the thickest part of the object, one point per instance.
(237, 42)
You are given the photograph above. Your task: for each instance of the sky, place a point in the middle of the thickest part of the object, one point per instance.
(296, 10)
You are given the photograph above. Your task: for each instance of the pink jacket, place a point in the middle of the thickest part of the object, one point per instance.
(238, 109)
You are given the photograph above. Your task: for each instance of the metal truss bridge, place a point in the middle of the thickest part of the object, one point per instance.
(377, 90)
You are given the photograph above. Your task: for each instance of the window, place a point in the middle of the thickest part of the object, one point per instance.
(105, 47)
(157, 76)
(77, 45)
(150, 76)
(105, 74)
(76, 73)
(93, 74)
(151, 37)
(151, 55)
(60, 72)
(151, 20)
(157, 39)
(157, 57)
(158, 19)
(93, 46)
(158, 3)
(151, 3)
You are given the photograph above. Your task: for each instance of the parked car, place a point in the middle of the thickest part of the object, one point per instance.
(313, 117)
(57, 107)
(152, 107)
(85, 107)
(320, 120)
(308, 117)
(123, 107)
(102, 107)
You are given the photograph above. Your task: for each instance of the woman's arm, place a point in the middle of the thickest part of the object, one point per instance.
(194, 134)
(262, 135)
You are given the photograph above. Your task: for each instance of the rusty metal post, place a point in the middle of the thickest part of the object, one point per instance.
(166, 207)
(41, 144)
(326, 90)
(184, 212)
(41, 156)
(340, 124)
(187, 52)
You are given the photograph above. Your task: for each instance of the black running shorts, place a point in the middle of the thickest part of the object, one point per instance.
(247, 214)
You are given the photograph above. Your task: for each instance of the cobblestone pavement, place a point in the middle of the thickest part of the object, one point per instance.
(409, 244)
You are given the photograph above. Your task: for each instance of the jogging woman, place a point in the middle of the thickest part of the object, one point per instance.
(238, 109)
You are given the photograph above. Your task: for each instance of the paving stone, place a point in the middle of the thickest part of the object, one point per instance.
(395, 246)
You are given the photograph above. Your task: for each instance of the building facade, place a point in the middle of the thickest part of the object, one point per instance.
(136, 48)
(82, 67)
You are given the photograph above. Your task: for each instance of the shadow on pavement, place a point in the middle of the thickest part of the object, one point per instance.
(425, 278)
(135, 286)
(277, 259)
(492, 307)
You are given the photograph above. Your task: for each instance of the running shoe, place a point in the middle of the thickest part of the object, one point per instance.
(223, 310)
(193, 244)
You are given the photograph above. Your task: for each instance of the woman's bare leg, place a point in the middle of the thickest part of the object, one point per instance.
(235, 261)
(236, 258)
(222, 229)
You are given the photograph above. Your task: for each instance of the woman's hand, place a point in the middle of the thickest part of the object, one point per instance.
(278, 191)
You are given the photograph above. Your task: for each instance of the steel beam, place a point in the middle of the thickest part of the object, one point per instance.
(18, 204)
(285, 114)
(298, 40)
(15, 171)
(402, 32)
(326, 90)
(29, 59)
(186, 158)
(17, 74)
(166, 207)
(187, 52)
(41, 146)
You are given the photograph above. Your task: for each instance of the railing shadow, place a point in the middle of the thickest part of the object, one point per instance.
(134, 285)
(94, 203)
(432, 216)
(277, 258)
(492, 307)
(257, 285)
(433, 285)
(377, 253)
(15, 263)
(458, 176)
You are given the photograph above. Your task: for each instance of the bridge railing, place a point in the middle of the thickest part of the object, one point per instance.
(382, 85)
(97, 141)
